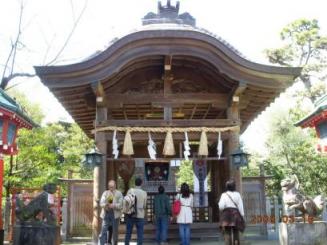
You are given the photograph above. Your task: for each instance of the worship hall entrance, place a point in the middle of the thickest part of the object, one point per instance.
(166, 92)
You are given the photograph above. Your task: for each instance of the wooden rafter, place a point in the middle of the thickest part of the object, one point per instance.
(193, 111)
(124, 112)
(207, 111)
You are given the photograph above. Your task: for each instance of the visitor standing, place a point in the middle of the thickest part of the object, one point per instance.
(162, 213)
(136, 219)
(111, 203)
(185, 216)
(231, 220)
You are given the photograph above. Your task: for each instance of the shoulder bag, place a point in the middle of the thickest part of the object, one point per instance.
(241, 222)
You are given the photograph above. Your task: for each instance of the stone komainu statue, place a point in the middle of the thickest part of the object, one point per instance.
(39, 205)
(294, 200)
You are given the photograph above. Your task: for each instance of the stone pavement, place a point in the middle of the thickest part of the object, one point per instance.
(249, 242)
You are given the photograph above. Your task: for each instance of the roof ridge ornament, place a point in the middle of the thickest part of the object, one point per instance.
(168, 9)
(168, 14)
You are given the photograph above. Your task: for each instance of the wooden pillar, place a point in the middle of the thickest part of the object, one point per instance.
(99, 175)
(99, 186)
(111, 171)
(214, 190)
(233, 142)
(111, 165)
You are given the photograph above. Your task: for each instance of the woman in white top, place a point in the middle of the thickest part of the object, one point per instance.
(231, 220)
(185, 216)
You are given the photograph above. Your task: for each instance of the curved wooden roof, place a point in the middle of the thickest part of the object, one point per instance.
(138, 60)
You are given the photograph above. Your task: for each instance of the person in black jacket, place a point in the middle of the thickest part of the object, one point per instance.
(162, 212)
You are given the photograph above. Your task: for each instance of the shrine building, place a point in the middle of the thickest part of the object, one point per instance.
(168, 82)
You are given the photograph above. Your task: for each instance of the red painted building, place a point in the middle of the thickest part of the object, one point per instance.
(318, 119)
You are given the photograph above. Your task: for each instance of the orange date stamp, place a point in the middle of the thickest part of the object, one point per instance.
(271, 219)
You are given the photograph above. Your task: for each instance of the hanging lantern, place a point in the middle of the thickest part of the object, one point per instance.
(93, 158)
(240, 158)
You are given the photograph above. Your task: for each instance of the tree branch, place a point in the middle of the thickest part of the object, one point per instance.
(6, 80)
(12, 53)
(69, 36)
(17, 38)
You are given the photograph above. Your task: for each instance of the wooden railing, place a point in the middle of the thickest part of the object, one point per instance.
(200, 214)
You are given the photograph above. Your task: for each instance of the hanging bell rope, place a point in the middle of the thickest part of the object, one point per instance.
(203, 147)
(169, 148)
(166, 129)
(128, 144)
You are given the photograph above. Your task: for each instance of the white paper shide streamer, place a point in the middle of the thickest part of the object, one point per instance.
(187, 147)
(115, 151)
(219, 146)
(152, 149)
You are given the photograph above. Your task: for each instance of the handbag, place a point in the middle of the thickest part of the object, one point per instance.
(240, 222)
(176, 208)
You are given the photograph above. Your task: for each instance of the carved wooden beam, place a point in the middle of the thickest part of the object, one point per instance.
(217, 100)
(172, 123)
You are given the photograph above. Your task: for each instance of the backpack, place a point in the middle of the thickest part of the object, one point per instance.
(130, 204)
(176, 208)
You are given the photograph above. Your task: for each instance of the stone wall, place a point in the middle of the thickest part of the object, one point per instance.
(303, 233)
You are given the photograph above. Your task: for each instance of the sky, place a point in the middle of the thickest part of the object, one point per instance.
(250, 26)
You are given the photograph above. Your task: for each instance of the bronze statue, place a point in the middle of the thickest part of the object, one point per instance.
(38, 210)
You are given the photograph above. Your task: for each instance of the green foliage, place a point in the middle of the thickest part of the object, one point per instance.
(304, 47)
(46, 153)
(185, 174)
(73, 150)
(31, 109)
(291, 151)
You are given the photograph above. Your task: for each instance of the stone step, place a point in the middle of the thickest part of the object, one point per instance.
(199, 231)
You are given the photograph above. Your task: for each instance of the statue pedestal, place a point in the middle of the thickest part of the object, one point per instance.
(303, 233)
(36, 235)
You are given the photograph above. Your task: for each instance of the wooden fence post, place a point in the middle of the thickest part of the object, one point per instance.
(64, 226)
